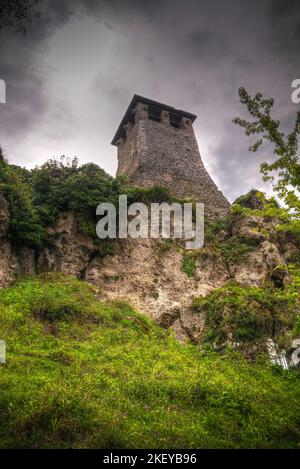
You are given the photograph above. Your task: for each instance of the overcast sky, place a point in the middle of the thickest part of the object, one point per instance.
(70, 80)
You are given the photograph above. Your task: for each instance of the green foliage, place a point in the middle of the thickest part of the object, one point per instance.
(188, 264)
(256, 203)
(25, 228)
(84, 373)
(294, 258)
(156, 194)
(230, 248)
(268, 210)
(245, 314)
(284, 172)
(62, 185)
(234, 248)
(37, 197)
(294, 289)
(212, 228)
(254, 199)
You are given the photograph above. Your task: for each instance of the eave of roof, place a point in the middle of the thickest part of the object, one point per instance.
(140, 99)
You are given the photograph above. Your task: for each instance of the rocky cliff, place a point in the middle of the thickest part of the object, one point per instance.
(160, 278)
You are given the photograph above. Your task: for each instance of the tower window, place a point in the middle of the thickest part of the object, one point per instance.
(154, 113)
(175, 119)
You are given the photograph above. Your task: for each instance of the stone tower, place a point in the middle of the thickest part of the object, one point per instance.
(157, 146)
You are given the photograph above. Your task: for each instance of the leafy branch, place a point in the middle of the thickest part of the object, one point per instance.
(284, 172)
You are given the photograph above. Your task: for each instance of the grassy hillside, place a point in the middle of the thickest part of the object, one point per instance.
(84, 373)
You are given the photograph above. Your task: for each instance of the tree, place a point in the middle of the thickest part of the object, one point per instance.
(18, 14)
(284, 171)
(25, 228)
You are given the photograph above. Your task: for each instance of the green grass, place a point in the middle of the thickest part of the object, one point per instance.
(188, 264)
(83, 373)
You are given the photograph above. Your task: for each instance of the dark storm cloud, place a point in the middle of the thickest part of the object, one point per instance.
(149, 10)
(19, 55)
(19, 67)
(205, 45)
(285, 20)
(70, 80)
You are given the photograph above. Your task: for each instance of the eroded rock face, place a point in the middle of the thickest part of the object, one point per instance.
(251, 270)
(265, 260)
(4, 216)
(14, 260)
(151, 278)
(253, 228)
(149, 273)
(69, 251)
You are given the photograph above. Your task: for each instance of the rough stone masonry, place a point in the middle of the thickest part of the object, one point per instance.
(157, 146)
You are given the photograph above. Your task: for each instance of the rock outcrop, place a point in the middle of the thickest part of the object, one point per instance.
(14, 260)
(149, 273)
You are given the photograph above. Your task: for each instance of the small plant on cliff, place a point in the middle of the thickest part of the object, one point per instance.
(233, 249)
(188, 264)
(156, 194)
(255, 203)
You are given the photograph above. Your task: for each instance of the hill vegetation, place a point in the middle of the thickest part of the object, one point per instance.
(38, 196)
(85, 373)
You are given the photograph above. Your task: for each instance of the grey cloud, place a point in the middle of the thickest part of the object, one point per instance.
(204, 44)
(19, 67)
(192, 55)
(285, 37)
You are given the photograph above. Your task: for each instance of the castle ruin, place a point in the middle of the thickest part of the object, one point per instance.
(157, 146)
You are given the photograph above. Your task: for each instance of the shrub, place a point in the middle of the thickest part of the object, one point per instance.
(156, 194)
(37, 197)
(188, 264)
(234, 249)
(25, 228)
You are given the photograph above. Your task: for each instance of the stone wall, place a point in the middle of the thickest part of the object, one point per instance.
(156, 153)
